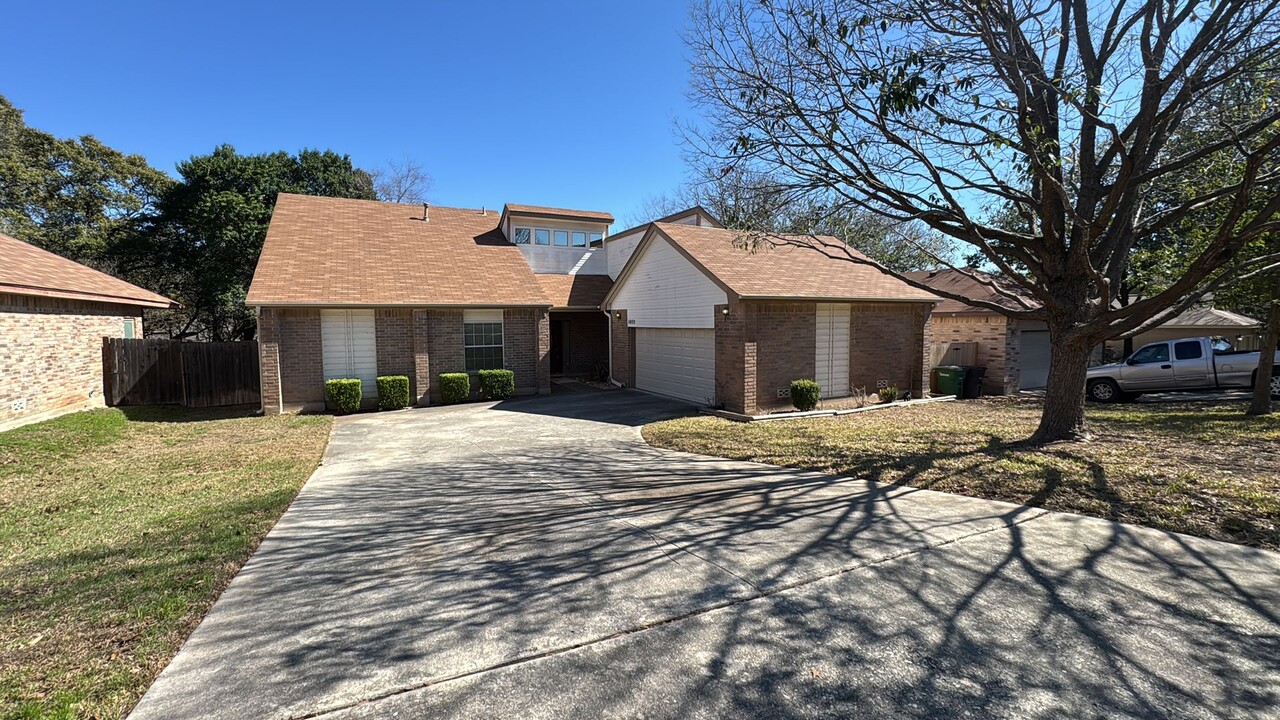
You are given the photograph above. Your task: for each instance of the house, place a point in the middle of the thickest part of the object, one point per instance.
(1016, 351)
(54, 314)
(357, 288)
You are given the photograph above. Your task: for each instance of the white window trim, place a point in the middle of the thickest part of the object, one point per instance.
(516, 233)
(487, 317)
(535, 237)
(554, 234)
(590, 236)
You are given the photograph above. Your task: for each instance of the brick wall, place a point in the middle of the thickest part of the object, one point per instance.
(886, 342)
(422, 379)
(621, 336)
(51, 354)
(732, 377)
(301, 357)
(418, 342)
(586, 337)
(520, 346)
(785, 334)
(393, 332)
(997, 346)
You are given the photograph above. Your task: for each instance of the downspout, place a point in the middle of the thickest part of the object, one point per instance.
(608, 318)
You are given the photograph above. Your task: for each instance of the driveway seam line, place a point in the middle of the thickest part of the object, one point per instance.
(760, 595)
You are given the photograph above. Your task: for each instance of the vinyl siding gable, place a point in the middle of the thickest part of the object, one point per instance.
(664, 289)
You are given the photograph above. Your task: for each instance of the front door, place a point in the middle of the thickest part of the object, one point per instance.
(557, 346)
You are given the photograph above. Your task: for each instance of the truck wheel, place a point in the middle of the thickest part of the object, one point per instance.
(1275, 383)
(1104, 391)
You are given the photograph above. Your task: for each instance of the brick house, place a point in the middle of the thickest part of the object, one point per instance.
(53, 316)
(355, 288)
(698, 317)
(1016, 351)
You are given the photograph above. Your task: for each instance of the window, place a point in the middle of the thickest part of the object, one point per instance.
(597, 239)
(1187, 350)
(562, 238)
(1221, 346)
(522, 236)
(579, 239)
(128, 329)
(482, 339)
(1152, 354)
(541, 237)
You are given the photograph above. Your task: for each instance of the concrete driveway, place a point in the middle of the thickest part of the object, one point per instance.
(536, 559)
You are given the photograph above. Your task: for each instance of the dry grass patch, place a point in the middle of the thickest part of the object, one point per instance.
(119, 529)
(1198, 468)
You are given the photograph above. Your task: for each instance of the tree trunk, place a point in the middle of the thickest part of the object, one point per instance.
(1261, 404)
(1063, 414)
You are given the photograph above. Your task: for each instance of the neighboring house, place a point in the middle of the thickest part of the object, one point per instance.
(54, 314)
(355, 288)
(698, 317)
(1016, 352)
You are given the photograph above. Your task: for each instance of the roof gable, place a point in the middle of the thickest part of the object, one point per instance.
(782, 271)
(28, 270)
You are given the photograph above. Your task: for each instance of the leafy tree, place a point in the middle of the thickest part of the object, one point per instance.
(946, 112)
(205, 244)
(72, 196)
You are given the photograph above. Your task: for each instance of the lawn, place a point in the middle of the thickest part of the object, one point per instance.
(118, 531)
(1198, 468)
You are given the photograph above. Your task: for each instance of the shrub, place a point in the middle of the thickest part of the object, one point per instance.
(343, 394)
(497, 384)
(393, 392)
(805, 394)
(455, 387)
(890, 394)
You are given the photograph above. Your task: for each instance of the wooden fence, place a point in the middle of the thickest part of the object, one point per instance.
(956, 353)
(172, 372)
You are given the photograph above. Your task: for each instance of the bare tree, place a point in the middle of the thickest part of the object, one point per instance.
(405, 181)
(946, 112)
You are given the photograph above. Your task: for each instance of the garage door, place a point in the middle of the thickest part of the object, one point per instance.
(1035, 359)
(349, 347)
(679, 362)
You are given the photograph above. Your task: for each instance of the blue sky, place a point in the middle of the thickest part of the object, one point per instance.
(570, 104)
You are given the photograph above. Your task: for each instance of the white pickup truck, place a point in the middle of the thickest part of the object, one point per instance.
(1204, 363)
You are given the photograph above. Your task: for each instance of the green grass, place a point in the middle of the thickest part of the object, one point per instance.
(1198, 468)
(119, 530)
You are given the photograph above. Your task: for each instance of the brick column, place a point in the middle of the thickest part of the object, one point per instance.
(924, 325)
(421, 357)
(543, 319)
(620, 342)
(269, 361)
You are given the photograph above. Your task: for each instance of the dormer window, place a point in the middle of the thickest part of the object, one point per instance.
(541, 237)
(522, 236)
(579, 239)
(597, 239)
(562, 238)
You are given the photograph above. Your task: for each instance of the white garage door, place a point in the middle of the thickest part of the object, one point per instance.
(1035, 359)
(349, 347)
(680, 362)
(831, 356)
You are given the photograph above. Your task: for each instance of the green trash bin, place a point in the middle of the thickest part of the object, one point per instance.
(949, 380)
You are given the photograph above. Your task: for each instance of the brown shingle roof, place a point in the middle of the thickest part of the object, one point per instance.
(777, 270)
(558, 212)
(959, 283)
(28, 270)
(575, 291)
(334, 251)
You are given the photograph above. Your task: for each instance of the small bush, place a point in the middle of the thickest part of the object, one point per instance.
(343, 394)
(890, 394)
(393, 392)
(497, 384)
(805, 394)
(455, 387)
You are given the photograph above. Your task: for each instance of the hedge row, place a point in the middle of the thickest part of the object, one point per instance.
(344, 394)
